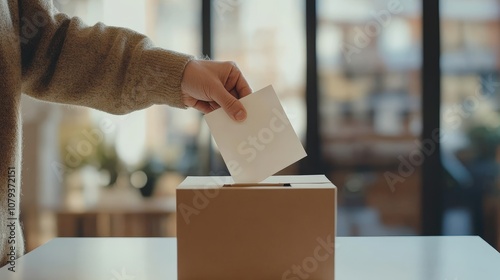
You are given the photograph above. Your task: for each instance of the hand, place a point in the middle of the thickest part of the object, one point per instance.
(208, 85)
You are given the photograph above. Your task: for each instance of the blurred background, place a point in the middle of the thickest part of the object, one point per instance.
(349, 75)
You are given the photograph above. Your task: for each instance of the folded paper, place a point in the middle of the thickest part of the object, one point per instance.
(262, 145)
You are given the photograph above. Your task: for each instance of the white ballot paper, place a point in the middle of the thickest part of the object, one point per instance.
(260, 146)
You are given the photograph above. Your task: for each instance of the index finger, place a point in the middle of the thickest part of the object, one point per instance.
(237, 82)
(242, 86)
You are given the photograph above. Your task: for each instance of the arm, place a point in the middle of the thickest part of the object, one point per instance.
(107, 68)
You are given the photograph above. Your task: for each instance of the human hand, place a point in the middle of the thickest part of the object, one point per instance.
(208, 85)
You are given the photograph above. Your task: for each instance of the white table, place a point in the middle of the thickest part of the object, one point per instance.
(357, 258)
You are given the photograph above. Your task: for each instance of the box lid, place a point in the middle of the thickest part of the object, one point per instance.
(201, 182)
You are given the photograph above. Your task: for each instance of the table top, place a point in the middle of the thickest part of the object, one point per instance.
(357, 258)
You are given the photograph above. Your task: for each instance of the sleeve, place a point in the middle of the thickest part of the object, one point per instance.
(111, 69)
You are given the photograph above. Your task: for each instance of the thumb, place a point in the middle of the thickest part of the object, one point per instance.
(230, 104)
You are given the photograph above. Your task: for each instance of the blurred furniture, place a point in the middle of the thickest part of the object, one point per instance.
(492, 220)
(152, 217)
(375, 258)
(40, 185)
(396, 208)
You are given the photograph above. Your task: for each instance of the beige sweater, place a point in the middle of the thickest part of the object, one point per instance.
(52, 57)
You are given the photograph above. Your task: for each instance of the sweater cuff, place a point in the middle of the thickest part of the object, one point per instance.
(159, 76)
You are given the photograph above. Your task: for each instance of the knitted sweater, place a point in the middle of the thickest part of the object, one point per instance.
(52, 57)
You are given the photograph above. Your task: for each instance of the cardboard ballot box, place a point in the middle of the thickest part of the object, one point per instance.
(282, 228)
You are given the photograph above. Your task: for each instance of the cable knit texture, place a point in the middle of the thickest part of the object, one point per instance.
(55, 58)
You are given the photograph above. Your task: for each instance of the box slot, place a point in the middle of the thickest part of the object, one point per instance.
(256, 185)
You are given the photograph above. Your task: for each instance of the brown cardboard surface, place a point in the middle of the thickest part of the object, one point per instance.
(209, 182)
(256, 232)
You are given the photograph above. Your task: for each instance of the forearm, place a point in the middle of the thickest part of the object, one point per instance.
(111, 69)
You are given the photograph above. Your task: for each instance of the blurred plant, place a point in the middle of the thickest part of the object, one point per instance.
(484, 167)
(106, 159)
(145, 177)
(484, 140)
(78, 149)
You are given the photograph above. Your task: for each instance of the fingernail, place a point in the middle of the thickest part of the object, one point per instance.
(241, 115)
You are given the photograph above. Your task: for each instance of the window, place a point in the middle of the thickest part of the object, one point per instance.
(369, 78)
(370, 92)
(470, 114)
